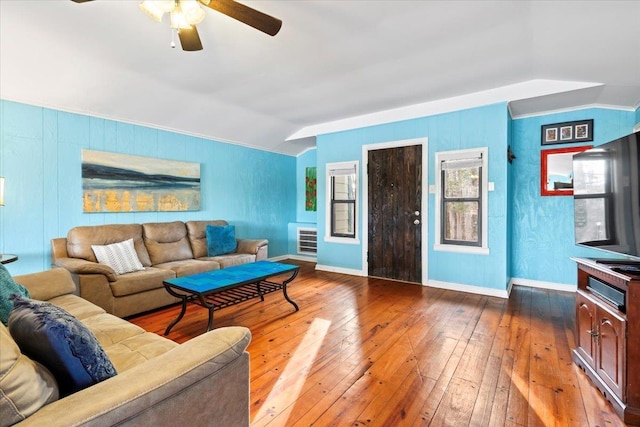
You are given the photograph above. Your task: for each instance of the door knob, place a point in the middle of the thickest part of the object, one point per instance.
(416, 222)
(417, 213)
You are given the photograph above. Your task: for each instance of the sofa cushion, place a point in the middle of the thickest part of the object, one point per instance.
(76, 306)
(109, 329)
(198, 235)
(231, 259)
(189, 266)
(25, 385)
(140, 281)
(166, 241)
(56, 339)
(138, 349)
(80, 239)
(121, 256)
(221, 239)
(8, 287)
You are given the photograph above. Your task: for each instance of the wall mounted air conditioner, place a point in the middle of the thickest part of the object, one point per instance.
(307, 241)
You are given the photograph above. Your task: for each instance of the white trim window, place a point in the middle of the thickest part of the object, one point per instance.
(342, 209)
(461, 201)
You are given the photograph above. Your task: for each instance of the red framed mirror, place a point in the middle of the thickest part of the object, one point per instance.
(556, 173)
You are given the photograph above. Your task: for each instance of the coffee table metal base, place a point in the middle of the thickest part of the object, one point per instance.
(228, 297)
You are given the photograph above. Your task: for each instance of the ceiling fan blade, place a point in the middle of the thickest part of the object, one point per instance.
(256, 19)
(189, 39)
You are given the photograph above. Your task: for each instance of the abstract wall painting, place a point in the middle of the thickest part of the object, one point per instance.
(310, 189)
(113, 182)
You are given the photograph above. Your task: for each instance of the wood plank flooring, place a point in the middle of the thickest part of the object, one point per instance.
(371, 352)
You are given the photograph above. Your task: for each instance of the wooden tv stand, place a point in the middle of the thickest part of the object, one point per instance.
(607, 334)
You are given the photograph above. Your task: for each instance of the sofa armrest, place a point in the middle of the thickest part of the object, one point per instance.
(82, 266)
(58, 249)
(48, 284)
(204, 381)
(251, 246)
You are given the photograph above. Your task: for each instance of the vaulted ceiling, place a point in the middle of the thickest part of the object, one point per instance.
(334, 64)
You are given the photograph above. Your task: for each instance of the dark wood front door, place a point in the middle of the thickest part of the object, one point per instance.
(394, 213)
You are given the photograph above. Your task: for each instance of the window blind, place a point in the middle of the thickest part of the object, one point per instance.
(342, 171)
(473, 162)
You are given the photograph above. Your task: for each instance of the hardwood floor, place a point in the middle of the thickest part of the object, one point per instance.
(370, 352)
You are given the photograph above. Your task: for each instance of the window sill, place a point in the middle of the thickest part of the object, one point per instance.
(461, 249)
(343, 240)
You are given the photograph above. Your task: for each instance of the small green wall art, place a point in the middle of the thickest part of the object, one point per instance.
(310, 184)
(113, 182)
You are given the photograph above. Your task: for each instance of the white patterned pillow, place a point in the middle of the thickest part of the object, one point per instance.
(122, 257)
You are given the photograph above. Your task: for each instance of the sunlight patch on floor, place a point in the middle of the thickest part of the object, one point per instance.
(289, 384)
(536, 404)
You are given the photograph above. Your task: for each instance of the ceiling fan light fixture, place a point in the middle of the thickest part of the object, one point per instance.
(179, 20)
(194, 14)
(186, 14)
(155, 9)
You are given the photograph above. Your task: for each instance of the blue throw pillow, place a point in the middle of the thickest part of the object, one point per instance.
(8, 287)
(53, 337)
(221, 239)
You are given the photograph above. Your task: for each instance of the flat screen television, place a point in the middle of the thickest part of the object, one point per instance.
(606, 194)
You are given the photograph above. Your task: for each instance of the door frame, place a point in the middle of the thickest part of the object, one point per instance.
(424, 209)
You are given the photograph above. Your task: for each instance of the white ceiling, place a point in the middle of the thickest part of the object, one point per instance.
(335, 64)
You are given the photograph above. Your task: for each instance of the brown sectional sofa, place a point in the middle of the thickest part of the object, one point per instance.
(203, 382)
(165, 249)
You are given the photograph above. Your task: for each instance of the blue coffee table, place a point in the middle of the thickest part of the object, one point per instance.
(232, 285)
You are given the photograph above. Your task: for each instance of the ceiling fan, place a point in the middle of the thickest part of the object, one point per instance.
(185, 14)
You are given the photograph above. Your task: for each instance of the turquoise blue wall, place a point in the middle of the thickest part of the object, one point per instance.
(478, 127)
(509, 198)
(40, 157)
(542, 227)
(262, 193)
(304, 218)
